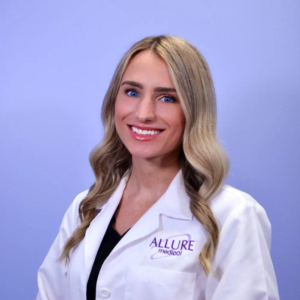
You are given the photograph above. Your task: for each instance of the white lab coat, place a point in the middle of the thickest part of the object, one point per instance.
(158, 257)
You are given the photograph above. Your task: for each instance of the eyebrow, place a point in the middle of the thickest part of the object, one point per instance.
(157, 89)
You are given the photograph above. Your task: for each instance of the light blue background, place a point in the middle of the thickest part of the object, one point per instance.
(56, 61)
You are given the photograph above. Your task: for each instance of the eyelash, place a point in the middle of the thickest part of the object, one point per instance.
(166, 95)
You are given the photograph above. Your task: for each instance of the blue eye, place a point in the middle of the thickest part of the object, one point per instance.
(131, 93)
(168, 99)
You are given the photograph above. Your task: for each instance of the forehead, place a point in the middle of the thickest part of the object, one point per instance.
(149, 69)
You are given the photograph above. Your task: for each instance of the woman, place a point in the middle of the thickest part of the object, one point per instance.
(159, 222)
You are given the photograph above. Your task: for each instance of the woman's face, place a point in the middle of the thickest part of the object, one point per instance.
(148, 116)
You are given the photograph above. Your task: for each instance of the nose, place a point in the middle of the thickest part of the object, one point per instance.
(146, 110)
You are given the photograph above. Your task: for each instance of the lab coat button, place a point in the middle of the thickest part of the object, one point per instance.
(104, 293)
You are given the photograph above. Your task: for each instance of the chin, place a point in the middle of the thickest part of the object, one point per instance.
(144, 153)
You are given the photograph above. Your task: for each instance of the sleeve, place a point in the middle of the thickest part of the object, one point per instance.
(242, 264)
(51, 275)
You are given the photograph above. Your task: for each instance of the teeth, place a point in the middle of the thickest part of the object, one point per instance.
(144, 132)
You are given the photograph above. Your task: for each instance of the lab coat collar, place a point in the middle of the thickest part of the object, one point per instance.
(175, 202)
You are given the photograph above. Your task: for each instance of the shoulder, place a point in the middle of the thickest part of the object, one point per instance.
(79, 198)
(242, 261)
(233, 204)
(71, 217)
(76, 202)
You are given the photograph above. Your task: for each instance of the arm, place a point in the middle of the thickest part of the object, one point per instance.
(242, 263)
(52, 273)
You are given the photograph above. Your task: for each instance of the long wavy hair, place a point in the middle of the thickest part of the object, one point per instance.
(203, 161)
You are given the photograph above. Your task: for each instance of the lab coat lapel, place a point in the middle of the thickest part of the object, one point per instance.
(173, 203)
(146, 225)
(98, 226)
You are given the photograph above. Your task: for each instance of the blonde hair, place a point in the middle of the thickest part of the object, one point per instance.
(203, 161)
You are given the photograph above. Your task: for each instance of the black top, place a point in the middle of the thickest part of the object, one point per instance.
(110, 240)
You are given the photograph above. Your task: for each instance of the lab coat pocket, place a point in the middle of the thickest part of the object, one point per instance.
(149, 283)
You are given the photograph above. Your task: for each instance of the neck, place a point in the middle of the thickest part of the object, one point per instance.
(153, 175)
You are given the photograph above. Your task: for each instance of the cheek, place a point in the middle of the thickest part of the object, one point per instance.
(120, 110)
(179, 125)
(118, 117)
(123, 105)
(177, 121)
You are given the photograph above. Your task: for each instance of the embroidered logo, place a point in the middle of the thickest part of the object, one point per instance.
(171, 246)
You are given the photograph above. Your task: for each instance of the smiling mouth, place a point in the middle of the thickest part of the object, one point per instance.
(145, 131)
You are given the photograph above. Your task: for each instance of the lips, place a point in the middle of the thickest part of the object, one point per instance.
(143, 133)
(145, 127)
